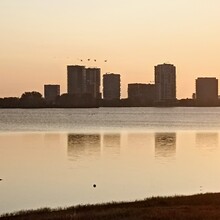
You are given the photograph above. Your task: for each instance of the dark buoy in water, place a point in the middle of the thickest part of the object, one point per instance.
(94, 185)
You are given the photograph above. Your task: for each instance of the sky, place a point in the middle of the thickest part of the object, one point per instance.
(39, 38)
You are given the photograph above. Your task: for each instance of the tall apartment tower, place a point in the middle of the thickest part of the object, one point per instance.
(207, 90)
(111, 86)
(76, 80)
(51, 92)
(82, 80)
(165, 82)
(93, 77)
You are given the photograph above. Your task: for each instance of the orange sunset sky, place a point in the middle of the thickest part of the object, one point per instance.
(39, 38)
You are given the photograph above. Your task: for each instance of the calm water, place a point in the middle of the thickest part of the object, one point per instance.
(53, 157)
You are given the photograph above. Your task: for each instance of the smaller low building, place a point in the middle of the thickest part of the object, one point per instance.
(141, 94)
(207, 91)
(51, 92)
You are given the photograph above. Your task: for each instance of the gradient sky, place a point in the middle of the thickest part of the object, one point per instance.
(40, 37)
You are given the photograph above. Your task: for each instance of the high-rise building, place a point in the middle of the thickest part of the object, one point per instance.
(82, 80)
(165, 81)
(111, 86)
(207, 90)
(76, 80)
(51, 92)
(93, 76)
(143, 92)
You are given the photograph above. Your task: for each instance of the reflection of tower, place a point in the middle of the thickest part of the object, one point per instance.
(83, 145)
(51, 140)
(140, 140)
(207, 140)
(165, 145)
(111, 143)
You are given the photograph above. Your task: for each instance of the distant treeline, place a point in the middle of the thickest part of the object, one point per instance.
(35, 100)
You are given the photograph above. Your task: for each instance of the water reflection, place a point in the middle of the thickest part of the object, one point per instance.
(112, 143)
(83, 145)
(207, 140)
(62, 168)
(165, 145)
(141, 139)
(51, 139)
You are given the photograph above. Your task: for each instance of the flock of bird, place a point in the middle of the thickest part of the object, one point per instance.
(81, 60)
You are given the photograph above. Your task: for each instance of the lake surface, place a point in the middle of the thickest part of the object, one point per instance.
(52, 157)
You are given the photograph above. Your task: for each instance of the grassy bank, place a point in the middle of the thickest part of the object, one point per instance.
(201, 207)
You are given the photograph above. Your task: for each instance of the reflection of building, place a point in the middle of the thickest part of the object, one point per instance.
(165, 81)
(207, 90)
(207, 140)
(112, 143)
(111, 86)
(51, 92)
(82, 80)
(141, 93)
(165, 145)
(81, 145)
(141, 140)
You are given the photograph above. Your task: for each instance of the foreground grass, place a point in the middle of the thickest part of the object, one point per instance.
(201, 207)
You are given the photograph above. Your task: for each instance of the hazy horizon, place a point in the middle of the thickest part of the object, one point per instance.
(40, 38)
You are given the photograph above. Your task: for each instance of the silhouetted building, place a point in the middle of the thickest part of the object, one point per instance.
(93, 82)
(76, 80)
(111, 86)
(207, 91)
(141, 94)
(194, 96)
(82, 80)
(165, 81)
(51, 92)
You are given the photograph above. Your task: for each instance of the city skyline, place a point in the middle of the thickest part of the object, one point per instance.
(91, 80)
(39, 39)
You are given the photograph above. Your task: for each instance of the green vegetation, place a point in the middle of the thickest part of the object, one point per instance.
(201, 207)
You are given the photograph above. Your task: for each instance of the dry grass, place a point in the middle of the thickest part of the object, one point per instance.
(201, 207)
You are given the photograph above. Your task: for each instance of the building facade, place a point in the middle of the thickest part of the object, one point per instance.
(76, 80)
(93, 78)
(111, 86)
(207, 90)
(83, 81)
(165, 82)
(51, 92)
(143, 93)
